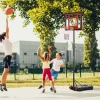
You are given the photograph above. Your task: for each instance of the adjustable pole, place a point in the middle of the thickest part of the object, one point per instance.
(73, 58)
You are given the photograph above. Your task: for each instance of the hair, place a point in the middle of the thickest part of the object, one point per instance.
(59, 54)
(2, 36)
(46, 56)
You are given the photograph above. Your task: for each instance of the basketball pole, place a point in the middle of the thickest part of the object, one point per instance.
(73, 58)
(74, 81)
(73, 21)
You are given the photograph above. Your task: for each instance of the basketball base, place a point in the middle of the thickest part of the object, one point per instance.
(82, 87)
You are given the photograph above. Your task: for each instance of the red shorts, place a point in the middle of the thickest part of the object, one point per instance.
(46, 71)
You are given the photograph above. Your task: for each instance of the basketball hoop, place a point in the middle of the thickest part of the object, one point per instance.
(73, 21)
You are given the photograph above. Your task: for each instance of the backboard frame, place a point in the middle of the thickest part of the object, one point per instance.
(73, 20)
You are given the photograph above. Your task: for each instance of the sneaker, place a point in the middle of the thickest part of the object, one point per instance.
(40, 87)
(43, 91)
(54, 90)
(51, 89)
(4, 87)
(1, 87)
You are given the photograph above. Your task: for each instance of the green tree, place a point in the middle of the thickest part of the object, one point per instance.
(47, 16)
(90, 51)
(91, 24)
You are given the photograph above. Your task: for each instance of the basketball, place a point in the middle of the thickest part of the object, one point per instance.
(9, 11)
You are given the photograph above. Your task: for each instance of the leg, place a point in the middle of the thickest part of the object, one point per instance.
(52, 86)
(7, 60)
(51, 81)
(42, 84)
(54, 77)
(51, 89)
(54, 80)
(43, 80)
(4, 78)
(4, 75)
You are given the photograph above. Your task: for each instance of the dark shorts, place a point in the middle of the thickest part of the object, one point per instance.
(7, 61)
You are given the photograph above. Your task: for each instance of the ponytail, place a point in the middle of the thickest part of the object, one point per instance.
(46, 57)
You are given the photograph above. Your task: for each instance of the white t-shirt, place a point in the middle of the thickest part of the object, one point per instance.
(7, 47)
(56, 64)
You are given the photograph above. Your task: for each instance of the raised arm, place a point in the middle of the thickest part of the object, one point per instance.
(38, 53)
(49, 49)
(7, 29)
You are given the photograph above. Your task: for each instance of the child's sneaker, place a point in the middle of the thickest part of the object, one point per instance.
(1, 87)
(40, 87)
(54, 90)
(43, 91)
(4, 87)
(51, 89)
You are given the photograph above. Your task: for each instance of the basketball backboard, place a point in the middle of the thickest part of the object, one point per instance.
(73, 21)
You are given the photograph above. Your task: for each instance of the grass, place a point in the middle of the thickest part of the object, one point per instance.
(24, 80)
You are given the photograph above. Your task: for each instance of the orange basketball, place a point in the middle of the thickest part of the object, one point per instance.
(9, 11)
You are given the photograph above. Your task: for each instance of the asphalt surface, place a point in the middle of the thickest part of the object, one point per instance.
(63, 93)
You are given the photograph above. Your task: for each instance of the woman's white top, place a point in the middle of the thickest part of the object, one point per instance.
(7, 47)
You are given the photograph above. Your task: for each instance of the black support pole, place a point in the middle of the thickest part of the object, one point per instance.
(73, 58)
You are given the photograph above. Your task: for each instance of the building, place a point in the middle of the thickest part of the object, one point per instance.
(25, 52)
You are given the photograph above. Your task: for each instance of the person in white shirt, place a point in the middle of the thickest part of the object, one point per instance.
(4, 38)
(57, 64)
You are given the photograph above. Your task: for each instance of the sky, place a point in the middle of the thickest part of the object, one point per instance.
(19, 33)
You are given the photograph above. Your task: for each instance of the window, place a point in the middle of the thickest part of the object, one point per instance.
(25, 53)
(68, 55)
(35, 53)
(1, 54)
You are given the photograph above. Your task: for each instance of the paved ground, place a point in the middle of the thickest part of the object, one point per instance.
(63, 93)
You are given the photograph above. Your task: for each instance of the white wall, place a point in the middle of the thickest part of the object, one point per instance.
(26, 50)
(16, 49)
(79, 50)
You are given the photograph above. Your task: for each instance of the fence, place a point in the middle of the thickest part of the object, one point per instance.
(32, 71)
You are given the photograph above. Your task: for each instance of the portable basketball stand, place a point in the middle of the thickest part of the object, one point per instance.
(73, 21)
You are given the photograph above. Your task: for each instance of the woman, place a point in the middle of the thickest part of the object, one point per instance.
(4, 38)
(46, 68)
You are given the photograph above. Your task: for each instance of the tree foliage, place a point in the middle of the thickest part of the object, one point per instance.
(91, 24)
(46, 15)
